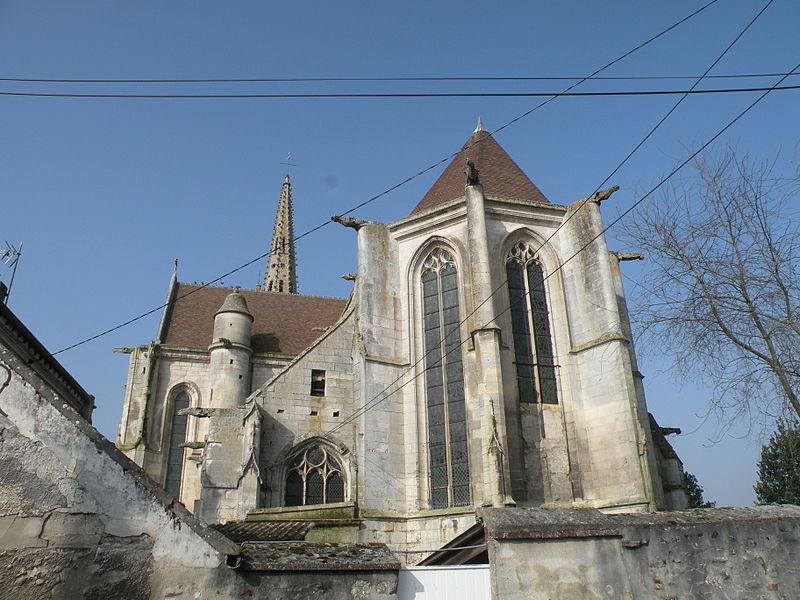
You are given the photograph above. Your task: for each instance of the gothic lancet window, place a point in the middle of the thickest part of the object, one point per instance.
(444, 383)
(530, 321)
(314, 477)
(177, 436)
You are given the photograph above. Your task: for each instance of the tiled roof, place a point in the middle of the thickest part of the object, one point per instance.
(248, 531)
(303, 556)
(500, 176)
(284, 323)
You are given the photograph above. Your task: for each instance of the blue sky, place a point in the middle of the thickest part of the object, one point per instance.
(105, 193)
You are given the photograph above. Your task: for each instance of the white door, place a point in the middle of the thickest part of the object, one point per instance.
(467, 582)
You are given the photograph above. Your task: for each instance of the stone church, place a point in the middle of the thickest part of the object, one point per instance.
(483, 358)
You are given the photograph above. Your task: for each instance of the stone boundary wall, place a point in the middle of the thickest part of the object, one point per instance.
(721, 553)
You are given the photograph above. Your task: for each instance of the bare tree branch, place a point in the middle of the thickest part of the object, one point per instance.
(723, 285)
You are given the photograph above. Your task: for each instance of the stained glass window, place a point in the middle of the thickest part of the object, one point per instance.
(314, 477)
(177, 436)
(448, 458)
(530, 324)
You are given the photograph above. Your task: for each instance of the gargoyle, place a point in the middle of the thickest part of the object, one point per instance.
(472, 173)
(349, 222)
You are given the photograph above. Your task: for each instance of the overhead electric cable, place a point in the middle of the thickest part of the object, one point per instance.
(377, 399)
(393, 94)
(390, 79)
(572, 214)
(396, 186)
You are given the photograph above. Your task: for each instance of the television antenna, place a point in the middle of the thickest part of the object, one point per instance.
(10, 256)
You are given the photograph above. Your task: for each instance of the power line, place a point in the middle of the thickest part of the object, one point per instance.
(689, 91)
(351, 95)
(564, 222)
(396, 186)
(392, 79)
(377, 399)
(189, 293)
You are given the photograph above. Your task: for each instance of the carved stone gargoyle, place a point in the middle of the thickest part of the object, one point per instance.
(472, 173)
(352, 222)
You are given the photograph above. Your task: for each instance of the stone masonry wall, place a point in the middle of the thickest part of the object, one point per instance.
(713, 554)
(292, 414)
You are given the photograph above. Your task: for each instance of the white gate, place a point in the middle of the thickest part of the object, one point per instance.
(467, 582)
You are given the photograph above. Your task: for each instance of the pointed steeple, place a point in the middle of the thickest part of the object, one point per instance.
(281, 274)
(500, 176)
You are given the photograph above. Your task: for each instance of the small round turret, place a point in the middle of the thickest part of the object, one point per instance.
(230, 352)
(233, 321)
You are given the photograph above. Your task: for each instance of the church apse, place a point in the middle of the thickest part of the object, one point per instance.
(475, 364)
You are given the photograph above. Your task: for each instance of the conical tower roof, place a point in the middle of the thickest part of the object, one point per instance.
(235, 302)
(500, 176)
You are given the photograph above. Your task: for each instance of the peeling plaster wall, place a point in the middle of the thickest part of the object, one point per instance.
(76, 518)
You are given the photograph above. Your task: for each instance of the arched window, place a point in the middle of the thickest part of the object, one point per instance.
(177, 436)
(530, 321)
(444, 383)
(314, 477)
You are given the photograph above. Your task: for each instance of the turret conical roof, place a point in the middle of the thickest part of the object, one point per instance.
(500, 176)
(235, 302)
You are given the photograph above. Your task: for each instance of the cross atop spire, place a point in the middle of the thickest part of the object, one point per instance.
(281, 273)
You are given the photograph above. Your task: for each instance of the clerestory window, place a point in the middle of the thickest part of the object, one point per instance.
(177, 437)
(314, 477)
(530, 321)
(444, 383)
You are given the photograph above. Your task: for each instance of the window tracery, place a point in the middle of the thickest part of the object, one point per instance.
(314, 476)
(444, 382)
(530, 322)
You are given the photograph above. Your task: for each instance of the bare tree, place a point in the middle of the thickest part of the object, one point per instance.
(722, 293)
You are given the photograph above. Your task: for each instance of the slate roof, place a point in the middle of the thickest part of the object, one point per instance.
(284, 323)
(304, 556)
(500, 176)
(248, 531)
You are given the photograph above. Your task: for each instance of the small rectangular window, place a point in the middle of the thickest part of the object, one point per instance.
(317, 382)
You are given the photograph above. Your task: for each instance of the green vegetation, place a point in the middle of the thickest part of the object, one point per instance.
(779, 466)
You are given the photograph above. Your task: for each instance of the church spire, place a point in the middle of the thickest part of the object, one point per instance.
(281, 274)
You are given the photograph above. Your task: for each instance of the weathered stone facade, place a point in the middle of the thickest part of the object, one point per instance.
(541, 405)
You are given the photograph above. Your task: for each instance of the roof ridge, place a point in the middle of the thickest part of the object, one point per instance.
(255, 291)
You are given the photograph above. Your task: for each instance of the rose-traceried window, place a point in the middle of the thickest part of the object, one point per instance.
(314, 477)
